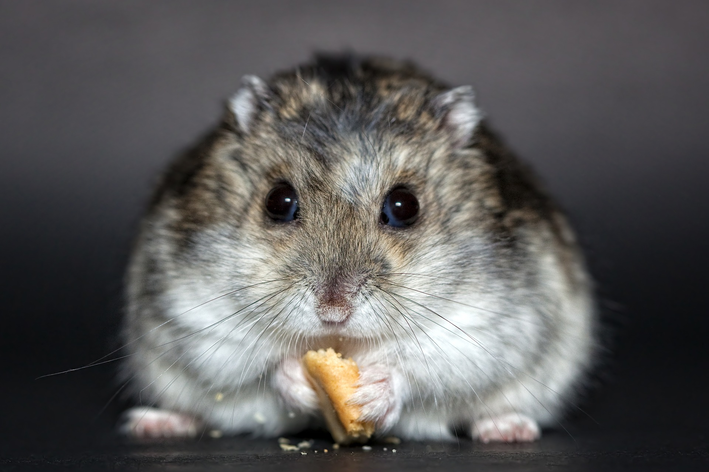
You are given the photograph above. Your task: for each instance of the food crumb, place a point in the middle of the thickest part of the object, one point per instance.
(219, 397)
(215, 433)
(367, 448)
(283, 441)
(393, 450)
(335, 446)
(384, 448)
(325, 450)
(303, 453)
(392, 440)
(305, 444)
(288, 447)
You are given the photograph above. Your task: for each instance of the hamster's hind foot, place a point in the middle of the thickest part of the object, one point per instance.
(145, 422)
(510, 427)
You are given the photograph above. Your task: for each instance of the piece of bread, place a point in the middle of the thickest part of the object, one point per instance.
(335, 381)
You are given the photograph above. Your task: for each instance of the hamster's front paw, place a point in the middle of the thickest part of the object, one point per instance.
(290, 382)
(377, 396)
(145, 422)
(510, 427)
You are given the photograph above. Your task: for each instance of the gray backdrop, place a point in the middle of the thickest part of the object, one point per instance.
(608, 100)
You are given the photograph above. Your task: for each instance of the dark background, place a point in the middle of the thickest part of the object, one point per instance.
(608, 100)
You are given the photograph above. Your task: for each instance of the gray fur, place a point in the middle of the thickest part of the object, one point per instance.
(482, 308)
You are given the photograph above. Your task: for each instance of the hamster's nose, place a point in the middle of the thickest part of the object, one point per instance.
(334, 300)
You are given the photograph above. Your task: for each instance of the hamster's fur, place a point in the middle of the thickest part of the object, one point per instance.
(479, 315)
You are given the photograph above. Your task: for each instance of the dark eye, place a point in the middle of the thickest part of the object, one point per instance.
(401, 208)
(282, 203)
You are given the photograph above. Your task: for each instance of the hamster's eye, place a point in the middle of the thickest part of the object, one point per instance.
(400, 209)
(282, 203)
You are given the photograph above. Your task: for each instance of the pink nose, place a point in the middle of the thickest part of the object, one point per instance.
(334, 302)
(334, 314)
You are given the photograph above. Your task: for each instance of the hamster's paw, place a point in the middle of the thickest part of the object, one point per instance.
(510, 427)
(145, 422)
(290, 382)
(377, 397)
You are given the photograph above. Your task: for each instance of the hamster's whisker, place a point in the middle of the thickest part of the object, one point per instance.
(102, 360)
(251, 357)
(385, 339)
(391, 330)
(386, 317)
(393, 297)
(413, 336)
(265, 367)
(293, 308)
(152, 348)
(508, 315)
(221, 341)
(140, 392)
(127, 382)
(454, 280)
(263, 299)
(157, 358)
(383, 316)
(210, 327)
(170, 320)
(503, 362)
(445, 357)
(486, 310)
(255, 321)
(477, 341)
(237, 348)
(260, 376)
(431, 373)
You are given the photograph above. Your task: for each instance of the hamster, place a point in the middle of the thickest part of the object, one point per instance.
(361, 204)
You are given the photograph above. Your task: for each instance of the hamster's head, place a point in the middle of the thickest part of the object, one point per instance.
(340, 199)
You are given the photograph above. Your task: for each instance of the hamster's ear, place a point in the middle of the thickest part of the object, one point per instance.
(248, 101)
(459, 115)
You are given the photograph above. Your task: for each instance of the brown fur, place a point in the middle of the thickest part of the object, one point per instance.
(343, 132)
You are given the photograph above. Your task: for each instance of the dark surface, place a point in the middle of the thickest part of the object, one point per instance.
(608, 100)
(636, 422)
(653, 452)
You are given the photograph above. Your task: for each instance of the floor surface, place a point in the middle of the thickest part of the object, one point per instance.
(649, 413)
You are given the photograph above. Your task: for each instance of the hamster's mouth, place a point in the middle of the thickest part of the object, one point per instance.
(334, 324)
(342, 344)
(335, 328)
(334, 315)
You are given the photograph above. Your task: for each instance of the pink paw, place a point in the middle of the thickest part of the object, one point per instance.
(290, 381)
(145, 422)
(377, 397)
(509, 427)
